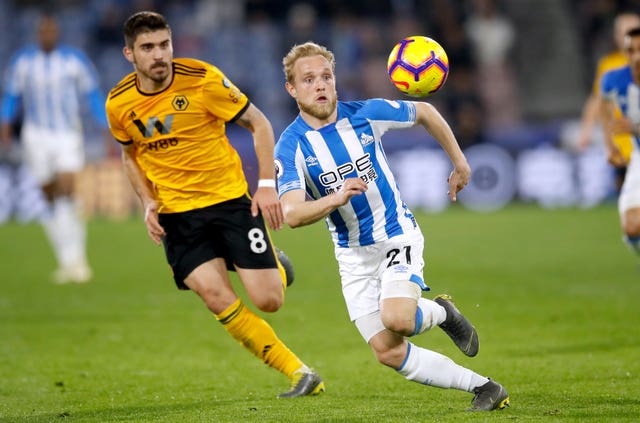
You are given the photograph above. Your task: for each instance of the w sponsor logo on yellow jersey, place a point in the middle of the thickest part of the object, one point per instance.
(153, 122)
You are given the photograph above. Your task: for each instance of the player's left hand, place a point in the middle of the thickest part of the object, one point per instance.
(266, 200)
(615, 156)
(457, 180)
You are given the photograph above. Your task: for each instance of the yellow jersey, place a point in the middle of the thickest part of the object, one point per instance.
(179, 135)
(612, 61)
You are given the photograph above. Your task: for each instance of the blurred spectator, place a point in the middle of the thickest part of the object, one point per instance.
(348, 49)
(108, 29)
(492, 36)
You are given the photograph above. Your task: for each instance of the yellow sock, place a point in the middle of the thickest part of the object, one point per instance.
(259, 338)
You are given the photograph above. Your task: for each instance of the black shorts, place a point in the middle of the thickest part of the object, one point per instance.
(226, 230)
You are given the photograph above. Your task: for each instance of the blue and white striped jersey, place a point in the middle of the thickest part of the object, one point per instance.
(319, 161)
(617, 85)
(49, 87)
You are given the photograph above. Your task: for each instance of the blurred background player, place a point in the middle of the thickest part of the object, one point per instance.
(621, 90)
(333, 153)
(622, 23)
(170, 118)
(47, 83)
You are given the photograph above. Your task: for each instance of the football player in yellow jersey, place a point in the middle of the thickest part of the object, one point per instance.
(619, 153)
(169, 117)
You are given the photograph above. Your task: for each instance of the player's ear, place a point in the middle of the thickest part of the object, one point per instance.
(290, 89)
(128, 54)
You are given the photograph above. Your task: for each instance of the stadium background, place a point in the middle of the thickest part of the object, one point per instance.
(520, 72)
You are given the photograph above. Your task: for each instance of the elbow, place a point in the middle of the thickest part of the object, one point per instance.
(292, 221)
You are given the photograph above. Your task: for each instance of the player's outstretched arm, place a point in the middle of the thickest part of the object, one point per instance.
(588, 120)
(298, 211)
(265, 199)
(437, 126)
(142, 187)
(610, 127)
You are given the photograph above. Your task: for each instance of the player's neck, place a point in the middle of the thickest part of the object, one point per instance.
(317, 123)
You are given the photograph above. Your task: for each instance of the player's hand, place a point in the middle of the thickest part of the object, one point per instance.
(615, 157)
(584, 140)
(621, 126)
(350, 188)
(155, 231)
(266, 200)
(458, 179)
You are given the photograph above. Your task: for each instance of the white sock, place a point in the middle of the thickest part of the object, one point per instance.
(52, 230)
(72, 232)
(434, 369)
(428, 314)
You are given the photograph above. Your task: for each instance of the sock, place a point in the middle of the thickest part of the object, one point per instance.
(428, 314)
(259, 338)
(633, 242)
(434, 369)
(52, 230)
(72, 232)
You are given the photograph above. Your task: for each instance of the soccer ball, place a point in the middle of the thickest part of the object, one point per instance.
(418, 66)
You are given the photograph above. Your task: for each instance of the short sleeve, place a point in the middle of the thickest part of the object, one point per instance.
(606, 86)
(223, 99)
(288, 175)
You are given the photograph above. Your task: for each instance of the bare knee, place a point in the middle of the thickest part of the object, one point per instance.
(264, 286)
(631, 223)
(399, 323)
(399, 315)
(64, 184)
(269, 302)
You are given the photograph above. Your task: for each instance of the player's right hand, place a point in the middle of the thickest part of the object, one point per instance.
(350, 188)
(155, 231)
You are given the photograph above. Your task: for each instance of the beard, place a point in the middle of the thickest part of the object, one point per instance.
(154, 76)
(319, 111)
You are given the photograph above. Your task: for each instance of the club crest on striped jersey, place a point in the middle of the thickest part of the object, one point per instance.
(366, 139)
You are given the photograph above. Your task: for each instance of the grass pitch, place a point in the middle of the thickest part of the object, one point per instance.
(553, 294)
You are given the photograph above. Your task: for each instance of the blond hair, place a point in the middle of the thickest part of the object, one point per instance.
(305, 50)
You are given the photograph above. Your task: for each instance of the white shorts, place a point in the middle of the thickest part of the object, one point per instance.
(362, 270)
(47, 153)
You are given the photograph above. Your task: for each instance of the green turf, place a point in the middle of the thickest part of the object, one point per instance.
(553, 294)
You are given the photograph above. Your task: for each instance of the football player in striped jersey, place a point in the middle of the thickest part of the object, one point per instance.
(620, 91)
(49, 82)
(330, 165)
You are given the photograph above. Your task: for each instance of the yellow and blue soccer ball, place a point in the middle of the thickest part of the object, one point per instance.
(418, 66)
